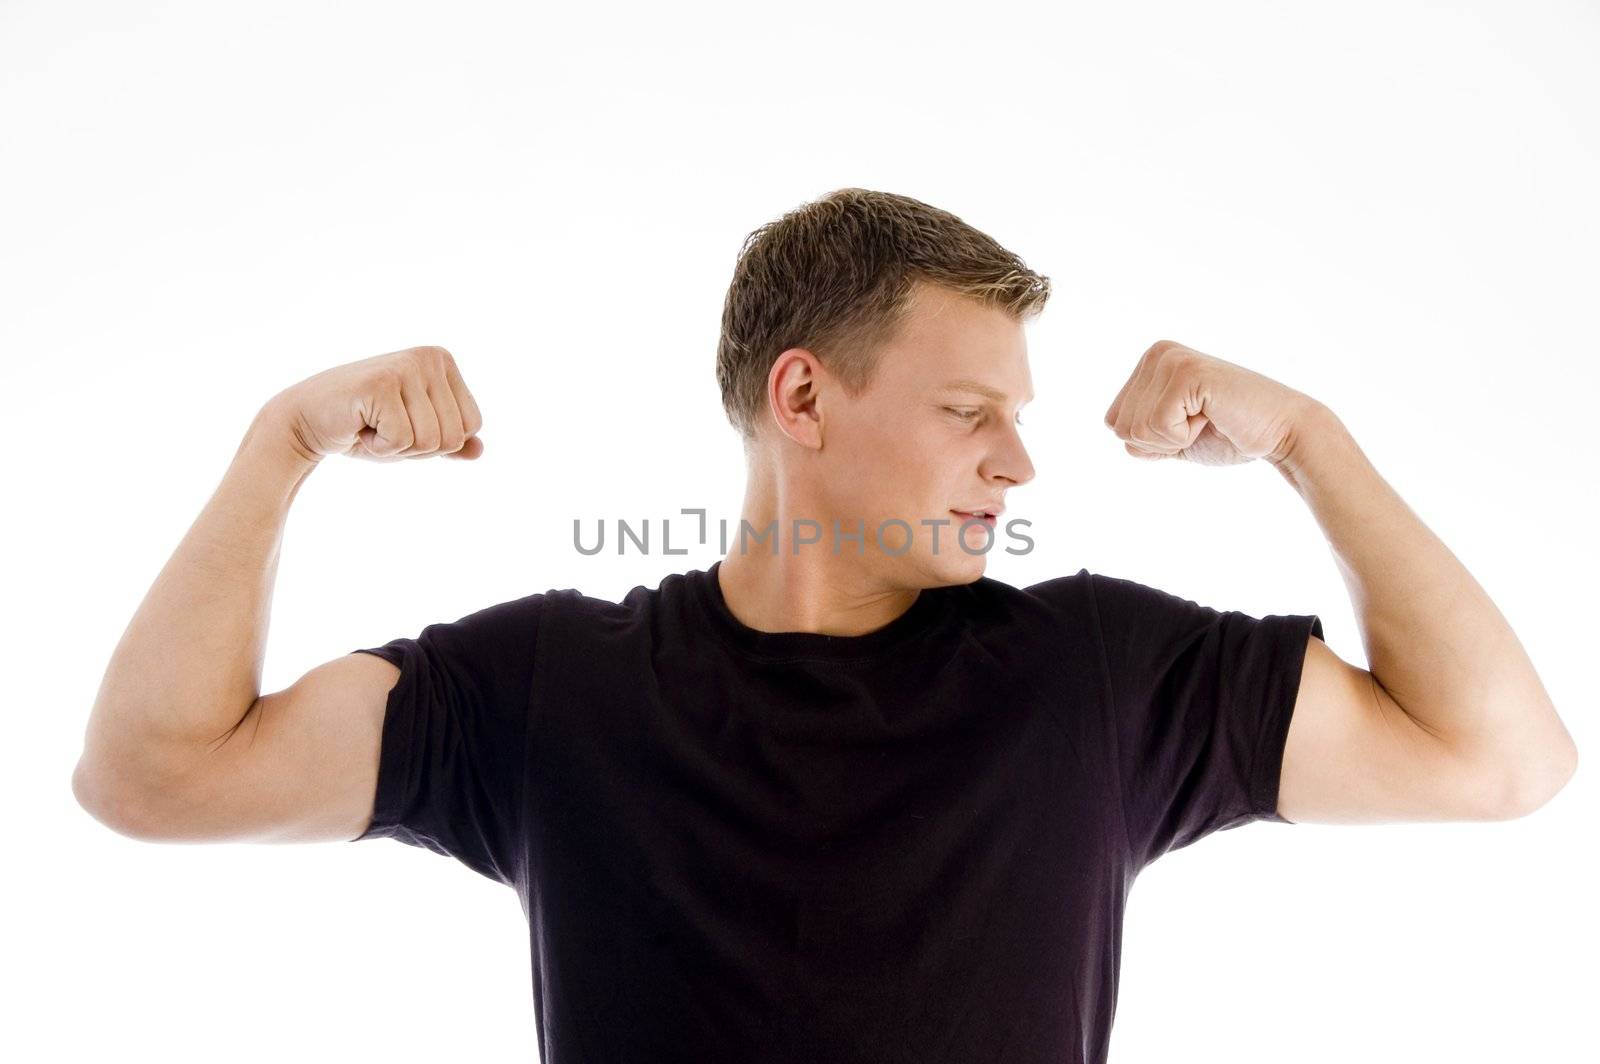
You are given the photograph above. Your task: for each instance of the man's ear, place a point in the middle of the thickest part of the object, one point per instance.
(792, 393)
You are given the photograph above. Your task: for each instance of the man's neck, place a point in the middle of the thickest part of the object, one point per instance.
(818, 592)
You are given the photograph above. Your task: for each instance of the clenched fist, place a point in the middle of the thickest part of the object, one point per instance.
(406, 404)
(1181, 403)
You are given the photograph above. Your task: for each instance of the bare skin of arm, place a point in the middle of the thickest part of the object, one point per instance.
(1467, 728)
(181, 745)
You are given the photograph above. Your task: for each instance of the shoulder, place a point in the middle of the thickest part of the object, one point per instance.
(1055, 610)
(639, 609)
(1057, 598)
(1081, 604)
(1109, 599)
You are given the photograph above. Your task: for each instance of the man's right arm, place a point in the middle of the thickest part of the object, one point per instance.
(301, 765)
(180, 744)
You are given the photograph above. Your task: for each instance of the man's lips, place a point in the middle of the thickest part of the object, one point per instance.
(991, 520)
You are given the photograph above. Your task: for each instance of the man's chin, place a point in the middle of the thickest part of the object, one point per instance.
(958, 567)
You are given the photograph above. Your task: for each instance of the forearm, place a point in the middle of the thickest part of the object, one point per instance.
(188, 666)
(1434, 639)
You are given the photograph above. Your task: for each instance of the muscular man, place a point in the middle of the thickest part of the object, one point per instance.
(839, 798)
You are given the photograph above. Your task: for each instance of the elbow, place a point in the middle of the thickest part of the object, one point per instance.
(109, 805)
(1532, 788)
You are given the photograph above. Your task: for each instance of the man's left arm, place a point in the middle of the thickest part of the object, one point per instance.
(1452, 721)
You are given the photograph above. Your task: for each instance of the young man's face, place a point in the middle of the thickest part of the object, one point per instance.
(924, 440)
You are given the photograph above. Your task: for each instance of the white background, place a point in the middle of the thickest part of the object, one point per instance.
(1388, 206)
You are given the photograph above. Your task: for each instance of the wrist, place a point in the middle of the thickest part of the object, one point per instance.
(1307, 421)
(271, 443)
(1316, 443)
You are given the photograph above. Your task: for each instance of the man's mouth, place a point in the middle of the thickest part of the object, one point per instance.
(988, 517)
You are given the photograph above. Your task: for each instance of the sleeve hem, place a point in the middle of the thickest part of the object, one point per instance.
(385, 811)
(1289, 650)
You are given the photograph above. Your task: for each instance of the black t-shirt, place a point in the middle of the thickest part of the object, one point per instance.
(910, 845)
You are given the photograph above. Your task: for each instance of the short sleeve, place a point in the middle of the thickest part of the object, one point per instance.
(453, 756)
(1202, 701)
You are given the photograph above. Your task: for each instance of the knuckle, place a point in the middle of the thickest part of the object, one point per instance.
(394, 374)
(387, 386)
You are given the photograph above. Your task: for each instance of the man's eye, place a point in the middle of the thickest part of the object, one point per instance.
(964, 415)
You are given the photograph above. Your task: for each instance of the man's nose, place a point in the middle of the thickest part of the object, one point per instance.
(1012, 461)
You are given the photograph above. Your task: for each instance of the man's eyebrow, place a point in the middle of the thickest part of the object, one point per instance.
(966, 385)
